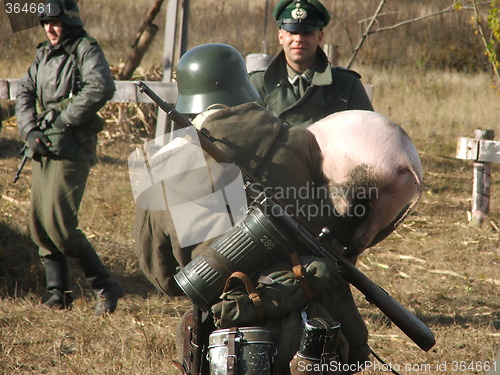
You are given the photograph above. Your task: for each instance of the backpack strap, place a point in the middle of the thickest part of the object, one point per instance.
(251, 291)
(299, 272)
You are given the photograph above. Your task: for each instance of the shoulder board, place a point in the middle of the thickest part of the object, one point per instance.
(348, 71)
(256, 71)
(42, 44)
(89, 39)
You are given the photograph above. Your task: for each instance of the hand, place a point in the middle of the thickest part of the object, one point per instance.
(46, 120)
(38, 142)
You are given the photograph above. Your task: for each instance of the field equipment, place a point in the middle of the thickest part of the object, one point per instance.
(247, 247)
(318, 349)
(242, 351)
(414, 328)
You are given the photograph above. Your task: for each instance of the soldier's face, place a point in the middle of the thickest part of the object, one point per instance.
(53, 30)
(300, 47)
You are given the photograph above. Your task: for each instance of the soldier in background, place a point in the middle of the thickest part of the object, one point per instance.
(300, 86)
(56, 109)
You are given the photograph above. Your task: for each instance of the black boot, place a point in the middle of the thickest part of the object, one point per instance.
(107, 297)
(106, 290)
(57, 274)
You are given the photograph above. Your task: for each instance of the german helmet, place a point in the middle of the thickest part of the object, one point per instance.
(212, 74)
(66, 11)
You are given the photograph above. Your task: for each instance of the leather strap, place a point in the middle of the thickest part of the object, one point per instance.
(232, 351)
(180, 367)
(251, 291)
(299, 272)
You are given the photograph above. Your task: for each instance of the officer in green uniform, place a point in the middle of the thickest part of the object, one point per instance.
(300, 86)
(56, 109)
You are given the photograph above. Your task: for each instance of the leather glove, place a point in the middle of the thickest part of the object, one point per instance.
(38, 142)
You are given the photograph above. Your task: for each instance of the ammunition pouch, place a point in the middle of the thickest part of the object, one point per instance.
(192, 342)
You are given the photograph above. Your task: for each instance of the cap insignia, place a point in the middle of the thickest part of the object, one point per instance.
(299, 14)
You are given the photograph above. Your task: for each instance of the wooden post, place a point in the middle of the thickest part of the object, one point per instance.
(332, 52)
(138, 52)
(483, 151)
(148, 20)
(173, 30)
(481, 183)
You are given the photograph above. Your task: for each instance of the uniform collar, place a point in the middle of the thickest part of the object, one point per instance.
(293, 75)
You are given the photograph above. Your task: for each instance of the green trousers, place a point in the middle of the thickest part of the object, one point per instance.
(57, 188)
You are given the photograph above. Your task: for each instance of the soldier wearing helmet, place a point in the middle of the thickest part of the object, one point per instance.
(299, 85)
(56, 109)
(214, 90)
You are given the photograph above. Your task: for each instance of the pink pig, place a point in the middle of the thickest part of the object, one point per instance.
(374, 174)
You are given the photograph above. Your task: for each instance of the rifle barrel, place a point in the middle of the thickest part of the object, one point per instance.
(20, 169)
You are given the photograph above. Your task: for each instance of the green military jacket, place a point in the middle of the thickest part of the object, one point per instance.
(331, 90)
(71, 80)
(282, 157)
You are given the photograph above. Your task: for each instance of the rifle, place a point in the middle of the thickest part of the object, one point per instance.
(21, 166)
(414, 328)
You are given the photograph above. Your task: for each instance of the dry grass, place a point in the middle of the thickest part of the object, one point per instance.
(434, 103)
(436, 264)
(138, 339)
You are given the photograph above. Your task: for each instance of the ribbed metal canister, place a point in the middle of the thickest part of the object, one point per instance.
(247, 248)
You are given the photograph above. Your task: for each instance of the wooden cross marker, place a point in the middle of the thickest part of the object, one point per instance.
(483, 151)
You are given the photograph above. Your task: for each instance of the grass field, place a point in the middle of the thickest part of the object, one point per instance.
(436, 264)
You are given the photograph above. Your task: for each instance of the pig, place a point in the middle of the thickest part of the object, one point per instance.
(374, 175)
